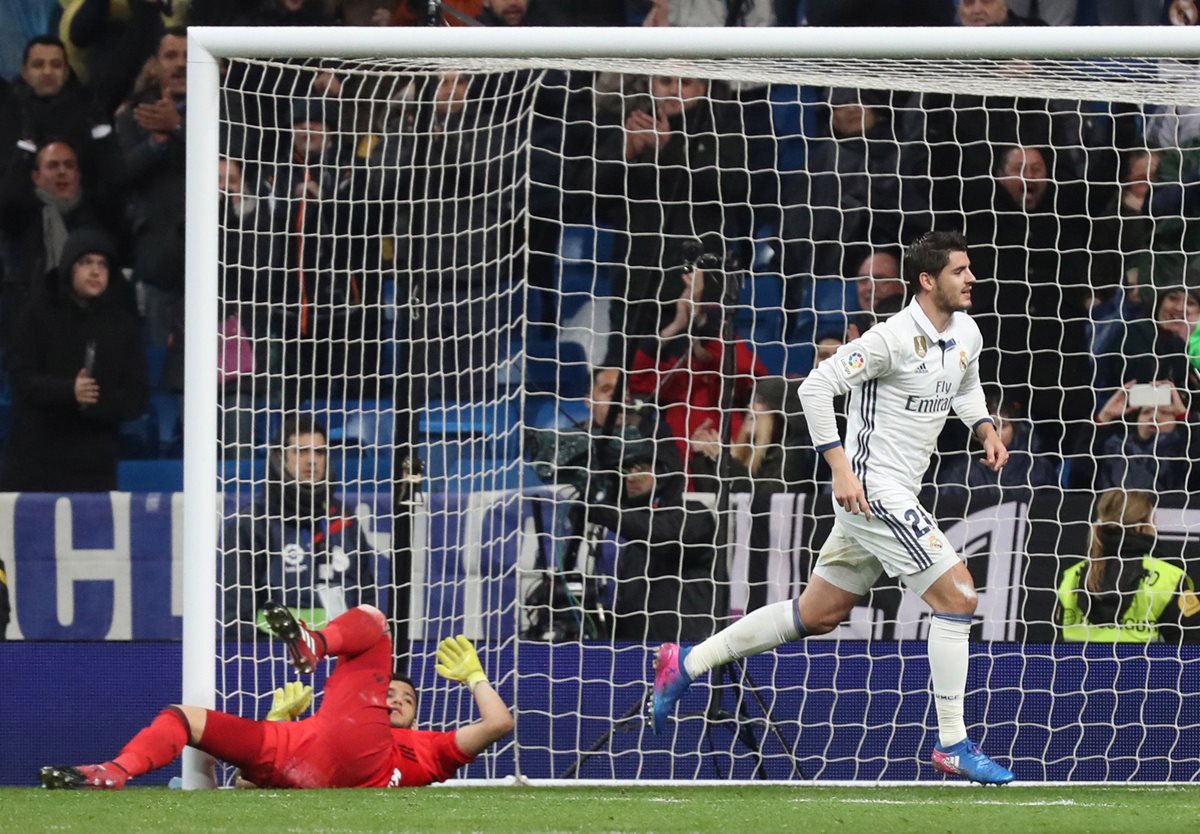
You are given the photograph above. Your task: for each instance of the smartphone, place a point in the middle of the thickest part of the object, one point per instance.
(89, 358)
(1149, 396)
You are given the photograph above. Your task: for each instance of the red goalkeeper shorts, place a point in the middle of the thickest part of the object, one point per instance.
(347, 744)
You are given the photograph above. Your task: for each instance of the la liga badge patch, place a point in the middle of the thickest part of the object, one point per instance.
(853, 362)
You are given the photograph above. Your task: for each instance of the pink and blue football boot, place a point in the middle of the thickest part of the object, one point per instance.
(671, 680)
(967, 760)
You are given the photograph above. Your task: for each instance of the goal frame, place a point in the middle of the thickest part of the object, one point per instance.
(207, 45)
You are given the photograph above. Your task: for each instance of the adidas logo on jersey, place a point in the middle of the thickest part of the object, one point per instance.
(921, 369)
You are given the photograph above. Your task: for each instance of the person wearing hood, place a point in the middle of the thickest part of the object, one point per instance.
(1122, 593)
(43, 199)
(294, 542)
(78, 371)
(665, 587)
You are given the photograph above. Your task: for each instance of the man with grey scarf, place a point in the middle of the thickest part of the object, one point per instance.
(39, 208)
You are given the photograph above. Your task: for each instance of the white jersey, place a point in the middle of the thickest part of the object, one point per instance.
(903, 377)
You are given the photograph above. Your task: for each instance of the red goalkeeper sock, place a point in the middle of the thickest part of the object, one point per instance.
(155, 746)
(353, 632)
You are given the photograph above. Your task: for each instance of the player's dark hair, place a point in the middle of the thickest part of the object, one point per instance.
(42, 40)
(930, 253)
(406, 679)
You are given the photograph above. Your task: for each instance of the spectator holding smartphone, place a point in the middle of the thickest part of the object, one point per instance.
(1141, 439)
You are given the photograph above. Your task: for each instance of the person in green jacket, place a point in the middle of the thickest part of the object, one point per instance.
(1121, 593)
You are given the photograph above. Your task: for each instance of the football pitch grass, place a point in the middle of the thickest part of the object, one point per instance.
(726, 810)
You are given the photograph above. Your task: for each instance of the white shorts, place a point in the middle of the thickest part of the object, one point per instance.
(901, 538)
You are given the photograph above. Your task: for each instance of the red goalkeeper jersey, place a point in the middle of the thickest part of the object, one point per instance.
(421, 757)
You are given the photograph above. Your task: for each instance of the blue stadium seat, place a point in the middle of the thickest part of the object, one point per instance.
(360, 422)
(244, 473)
(584, 267)
(137, 439)
(467, 417)
(484, 474)
(557, 367)
(362, 467)
(545, 411)
(165, 409)
(794, 113)
(457, 436)
(156, 358)
(155, 475)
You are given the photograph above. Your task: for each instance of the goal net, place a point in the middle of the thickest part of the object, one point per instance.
(546, 317)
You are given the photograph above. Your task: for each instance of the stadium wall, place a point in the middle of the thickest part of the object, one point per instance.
(109, 566)
(99, 654)
(1057, 712)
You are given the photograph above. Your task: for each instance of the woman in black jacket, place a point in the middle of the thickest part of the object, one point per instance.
(78, 370)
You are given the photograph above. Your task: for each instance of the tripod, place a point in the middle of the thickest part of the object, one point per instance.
(715, 714)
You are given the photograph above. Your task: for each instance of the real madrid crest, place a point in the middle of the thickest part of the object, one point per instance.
(921, 346)
(962, 360)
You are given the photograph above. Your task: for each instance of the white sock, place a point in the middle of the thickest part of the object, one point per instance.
(758, 631)
(949, 653)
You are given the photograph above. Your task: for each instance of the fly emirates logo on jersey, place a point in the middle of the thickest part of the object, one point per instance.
(939, 403)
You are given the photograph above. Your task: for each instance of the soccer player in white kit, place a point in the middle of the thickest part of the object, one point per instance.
(904, 376)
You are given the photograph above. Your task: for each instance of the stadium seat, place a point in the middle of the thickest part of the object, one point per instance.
(546, 411)
(165, 409)
(457, 436)
(137, 439)
(794, 113)
(246, 472)
(358, 422)
(557, 367)
(156, 357)
(362, 467)
(584, 273)
(153, 475)
(484, 474)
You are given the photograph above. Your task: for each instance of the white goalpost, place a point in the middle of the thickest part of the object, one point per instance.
(438, 241)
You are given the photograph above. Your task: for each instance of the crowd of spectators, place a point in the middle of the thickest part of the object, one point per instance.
(1079, 215)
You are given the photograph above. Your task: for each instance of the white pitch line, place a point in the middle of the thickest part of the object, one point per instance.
(1069, 803)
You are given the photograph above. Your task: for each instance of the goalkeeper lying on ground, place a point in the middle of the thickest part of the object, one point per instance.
(361, 737)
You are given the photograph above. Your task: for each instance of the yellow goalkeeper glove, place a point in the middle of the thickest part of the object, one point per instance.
(290, 701)
(458, 661)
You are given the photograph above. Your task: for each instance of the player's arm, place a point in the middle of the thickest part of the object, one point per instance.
(971, 407)
(863, 359)
(458, 661)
